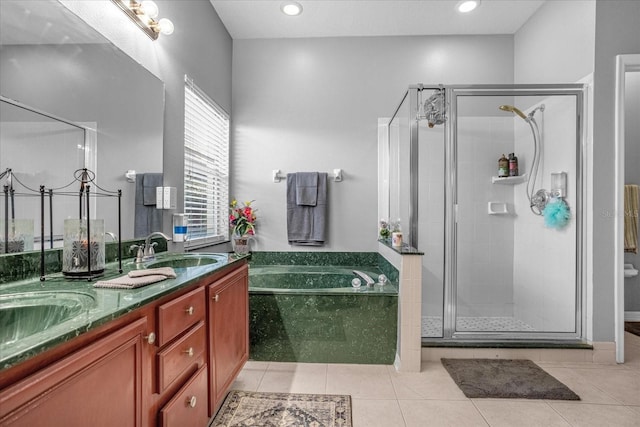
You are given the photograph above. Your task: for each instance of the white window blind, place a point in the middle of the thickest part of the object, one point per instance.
(206, 168)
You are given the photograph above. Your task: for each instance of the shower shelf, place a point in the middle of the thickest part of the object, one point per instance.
(508, 180)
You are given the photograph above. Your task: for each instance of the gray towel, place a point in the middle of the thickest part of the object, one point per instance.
(146, 218)
(306, 224)
(306, 188)
(149, 183)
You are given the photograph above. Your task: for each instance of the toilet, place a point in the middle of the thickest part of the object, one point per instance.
(629, 271)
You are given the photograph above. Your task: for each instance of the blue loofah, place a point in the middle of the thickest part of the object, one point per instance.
(556, 214)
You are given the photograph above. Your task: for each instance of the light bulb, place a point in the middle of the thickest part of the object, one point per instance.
(468, 6)
(149, 8)
(165, 26)
(291, 8)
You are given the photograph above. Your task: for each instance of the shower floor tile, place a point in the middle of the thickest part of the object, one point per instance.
(432, 325)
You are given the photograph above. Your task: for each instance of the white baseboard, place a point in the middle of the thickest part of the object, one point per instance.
(632, 316)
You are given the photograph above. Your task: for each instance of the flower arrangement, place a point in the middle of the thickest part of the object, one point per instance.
(242, 219)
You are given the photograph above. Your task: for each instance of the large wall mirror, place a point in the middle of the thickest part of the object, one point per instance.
(71, 99)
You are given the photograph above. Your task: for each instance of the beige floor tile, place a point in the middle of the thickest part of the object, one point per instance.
(256, 365)
(588, 392)
(360, 381)
(433, 382)
(249, 377)
(376, 413)
(295, 378)
(588, 415)
(445, 413)
(509, 413)
(634, 408)
(622, 385)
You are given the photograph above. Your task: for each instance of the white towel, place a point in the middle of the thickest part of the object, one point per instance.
(138, 278)
(164, 271)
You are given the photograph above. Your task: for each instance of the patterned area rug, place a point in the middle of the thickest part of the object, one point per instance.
(506, 378)
(245, 408)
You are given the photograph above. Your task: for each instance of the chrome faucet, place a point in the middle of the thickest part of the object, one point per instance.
(149, 252)
(368, 280)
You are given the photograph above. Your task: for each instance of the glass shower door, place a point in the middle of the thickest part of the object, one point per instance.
(513, 273)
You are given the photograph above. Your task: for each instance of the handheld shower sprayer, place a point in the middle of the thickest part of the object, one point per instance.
(513, 109)
(537, 200)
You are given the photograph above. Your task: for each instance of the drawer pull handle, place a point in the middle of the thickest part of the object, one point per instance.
(216, 297)
(189, 352)
(191, 401)
(151, 338)
(189, 311)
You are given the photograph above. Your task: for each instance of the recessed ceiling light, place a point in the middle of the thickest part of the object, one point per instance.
(291, 8)
(468, 5)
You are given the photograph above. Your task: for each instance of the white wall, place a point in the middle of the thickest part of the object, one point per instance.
(485, 243)
(544, 266)
(556, 45)
(632, 175)
(313, 104)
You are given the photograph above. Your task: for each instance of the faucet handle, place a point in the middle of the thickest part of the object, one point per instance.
(382, 279)
(133, 248)
(150, 250)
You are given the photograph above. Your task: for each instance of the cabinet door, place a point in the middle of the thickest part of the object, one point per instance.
(99, 385)
(228, 332)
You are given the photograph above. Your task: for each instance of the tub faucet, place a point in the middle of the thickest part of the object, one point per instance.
(368, 280)
(149, 252)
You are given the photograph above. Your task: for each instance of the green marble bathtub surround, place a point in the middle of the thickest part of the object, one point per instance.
(314, 258)
(323, 328)
(388, 269)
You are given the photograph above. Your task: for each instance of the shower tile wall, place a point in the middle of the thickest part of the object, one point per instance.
(544, 259)
(485, 243)
(431, 223)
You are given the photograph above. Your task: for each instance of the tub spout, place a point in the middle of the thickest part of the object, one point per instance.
(368, 280)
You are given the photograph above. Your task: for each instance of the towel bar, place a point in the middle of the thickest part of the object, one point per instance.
(277, 176)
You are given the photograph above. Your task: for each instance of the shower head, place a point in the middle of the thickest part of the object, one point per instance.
(513, 110)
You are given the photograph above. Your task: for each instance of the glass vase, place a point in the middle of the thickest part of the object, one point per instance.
(78, 248)
(241, 244)
(19, 237)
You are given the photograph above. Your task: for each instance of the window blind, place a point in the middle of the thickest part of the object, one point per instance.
(206, 168)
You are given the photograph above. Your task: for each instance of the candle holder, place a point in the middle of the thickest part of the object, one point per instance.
(83, 250)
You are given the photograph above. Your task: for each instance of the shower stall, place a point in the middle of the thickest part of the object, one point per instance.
(503, 249)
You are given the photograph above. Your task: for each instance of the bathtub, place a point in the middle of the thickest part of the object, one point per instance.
(313, 314)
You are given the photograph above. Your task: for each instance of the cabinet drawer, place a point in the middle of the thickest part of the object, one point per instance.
(176, 316)
(189, 406)
(182, 354)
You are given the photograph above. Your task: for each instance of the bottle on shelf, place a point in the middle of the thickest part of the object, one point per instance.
(503, 167)
(513, 165)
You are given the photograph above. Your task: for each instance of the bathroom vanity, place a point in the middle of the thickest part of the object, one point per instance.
(161, 355)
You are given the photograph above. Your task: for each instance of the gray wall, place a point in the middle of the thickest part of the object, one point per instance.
(313, 104)
(617, 32)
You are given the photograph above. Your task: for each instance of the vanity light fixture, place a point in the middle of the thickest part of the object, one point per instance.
(291, 8)
(467, 5)
(145, 14)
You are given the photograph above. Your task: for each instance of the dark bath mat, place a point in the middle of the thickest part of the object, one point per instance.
(505, 378)
(632, 327)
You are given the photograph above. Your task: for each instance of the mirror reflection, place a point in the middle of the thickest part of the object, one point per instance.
(109, 112)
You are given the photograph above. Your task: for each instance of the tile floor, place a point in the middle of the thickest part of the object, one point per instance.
(385, 398)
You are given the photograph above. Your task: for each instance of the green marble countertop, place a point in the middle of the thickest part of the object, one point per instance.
(108, 304)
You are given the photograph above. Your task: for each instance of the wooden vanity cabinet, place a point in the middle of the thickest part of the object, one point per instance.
(228, 320)
(99, 385)
(168, 363)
